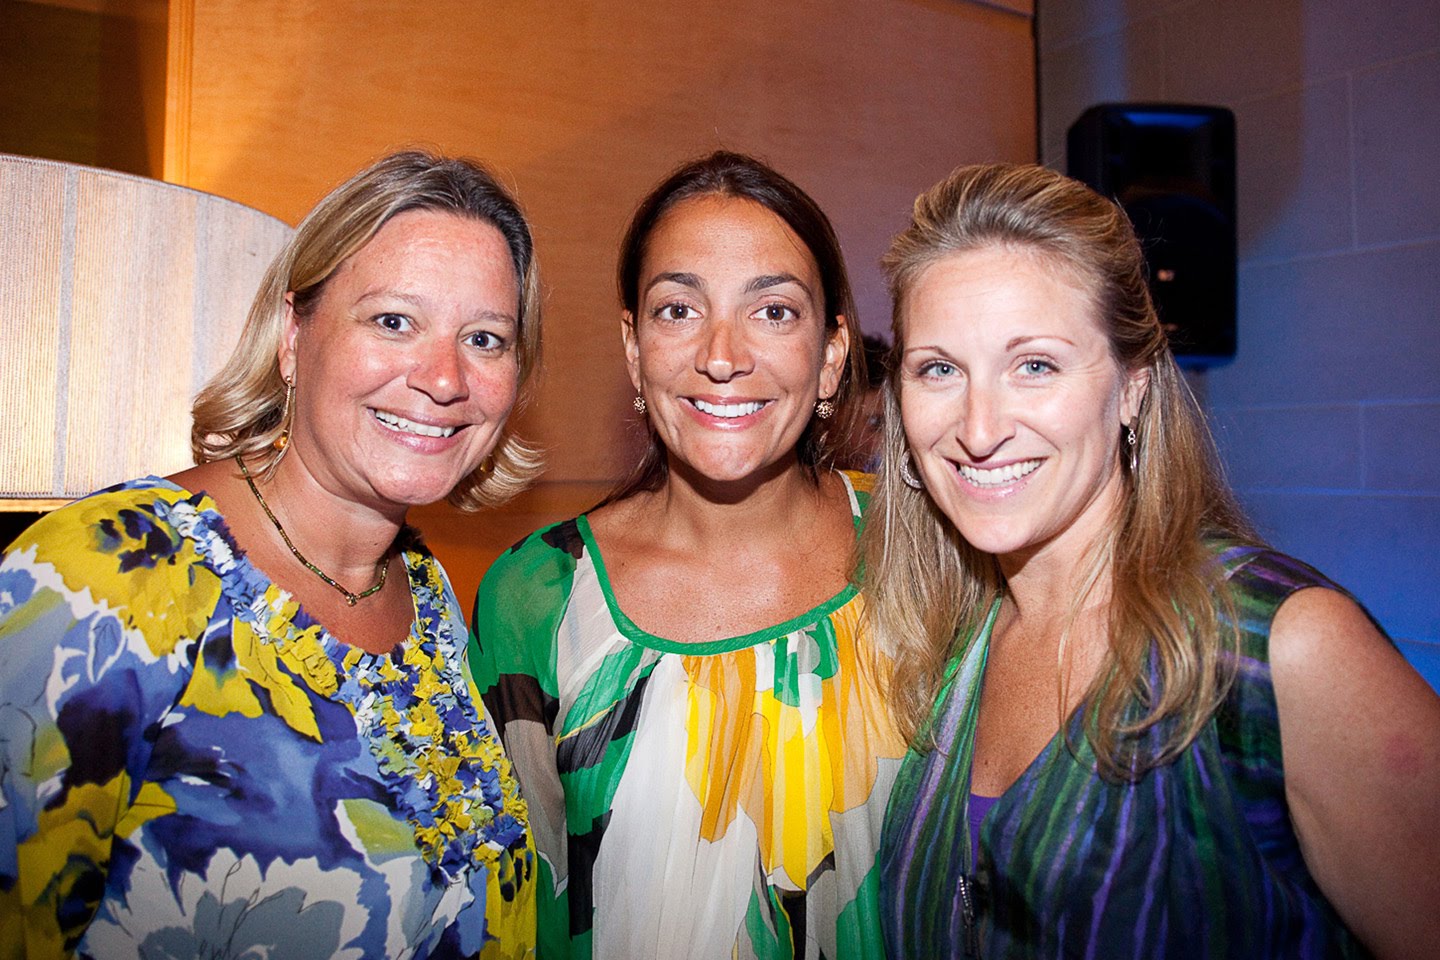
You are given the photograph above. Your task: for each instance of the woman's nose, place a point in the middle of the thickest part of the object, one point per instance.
(439, 373)
(986, 421)
(723, 353)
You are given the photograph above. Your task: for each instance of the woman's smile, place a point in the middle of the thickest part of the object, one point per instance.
(415, 427)
(406, 368)
(728, 412)
(1011, 400)
(729, 345)
(994, 482)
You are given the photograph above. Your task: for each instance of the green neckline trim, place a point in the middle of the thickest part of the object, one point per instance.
(635, 634)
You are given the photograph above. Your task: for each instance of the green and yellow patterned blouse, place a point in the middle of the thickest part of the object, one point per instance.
(689, 800)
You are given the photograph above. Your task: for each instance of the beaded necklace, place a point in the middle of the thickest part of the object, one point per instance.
(350, 598)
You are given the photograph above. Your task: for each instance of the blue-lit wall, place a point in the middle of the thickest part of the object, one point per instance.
(1329, 418)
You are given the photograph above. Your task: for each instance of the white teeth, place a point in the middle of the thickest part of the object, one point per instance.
(727, 410)
(408, 426)
(994, 478)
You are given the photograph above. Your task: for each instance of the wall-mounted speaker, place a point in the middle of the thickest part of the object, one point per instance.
(1172, 168)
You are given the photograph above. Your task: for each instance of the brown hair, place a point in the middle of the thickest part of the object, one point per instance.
(927, 589)
(240, 409)
(727, 174)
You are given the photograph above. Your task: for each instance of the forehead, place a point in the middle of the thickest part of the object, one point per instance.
(1001, 290)
(717, 233)
(416, 239)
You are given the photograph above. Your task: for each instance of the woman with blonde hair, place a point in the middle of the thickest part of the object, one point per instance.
(1136, 730)
(237, 715)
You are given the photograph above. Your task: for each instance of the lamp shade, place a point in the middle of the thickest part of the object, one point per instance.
(119, 297)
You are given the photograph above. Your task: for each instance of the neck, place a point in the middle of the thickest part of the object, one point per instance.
(714, 512)
(1067, 574)
(1049, 605)
(346, 539)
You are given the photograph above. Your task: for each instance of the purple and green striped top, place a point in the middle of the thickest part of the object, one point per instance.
(1196, 859)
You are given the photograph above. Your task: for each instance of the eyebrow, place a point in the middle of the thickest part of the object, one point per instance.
(1010, 345)
(928, 348)
(1021, 341)
(691, 280)
(762, 282)
(494, 316)
(767, 280)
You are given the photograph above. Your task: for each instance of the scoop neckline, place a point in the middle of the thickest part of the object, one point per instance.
(641, 637)
(336, 647)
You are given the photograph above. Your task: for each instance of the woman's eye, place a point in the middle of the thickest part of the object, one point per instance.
(675, 311)
(1036, 368)
(777, 312)
(393, 321)
(936, 368)
(485, 340)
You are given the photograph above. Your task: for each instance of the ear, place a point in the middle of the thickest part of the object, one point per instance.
(1137, 384)
(832, 366)
(631, 339)
(289, 334)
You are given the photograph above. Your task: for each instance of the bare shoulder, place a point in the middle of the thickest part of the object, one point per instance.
(1337, 675)
(617, 522)
(207, 477)
(1316, 618)
(1320, 637)
(1360, 737)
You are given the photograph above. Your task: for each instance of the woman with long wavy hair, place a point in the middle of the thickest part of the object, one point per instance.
(1136, 730)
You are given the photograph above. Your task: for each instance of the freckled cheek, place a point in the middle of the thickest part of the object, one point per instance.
(495, 391)
(656, 369)
(355, 364)
(924, 422)
(669, 378)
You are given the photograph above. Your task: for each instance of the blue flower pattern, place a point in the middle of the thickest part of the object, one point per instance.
(189, 764)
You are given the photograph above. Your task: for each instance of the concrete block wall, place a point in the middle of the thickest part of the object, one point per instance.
(1329, 417)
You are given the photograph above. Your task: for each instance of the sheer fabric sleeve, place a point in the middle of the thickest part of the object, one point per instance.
(518, 610)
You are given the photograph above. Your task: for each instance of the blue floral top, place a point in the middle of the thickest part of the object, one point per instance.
(191, 766)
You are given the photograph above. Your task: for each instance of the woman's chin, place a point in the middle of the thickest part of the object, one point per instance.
(405, 490)
(999, 539)
(725, 471)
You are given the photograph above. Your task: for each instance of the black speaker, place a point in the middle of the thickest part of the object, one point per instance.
(1172, 168)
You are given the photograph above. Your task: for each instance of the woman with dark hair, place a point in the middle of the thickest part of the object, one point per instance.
(1136, 730)
(235, 713)
(678, 672)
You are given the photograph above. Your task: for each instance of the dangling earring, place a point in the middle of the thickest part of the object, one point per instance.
(639, 403)
(1132, 442)
(907, 472)
(283, 441)
(824, 409)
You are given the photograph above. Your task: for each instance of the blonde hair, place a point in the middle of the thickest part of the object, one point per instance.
(240, 411)
(928, 590)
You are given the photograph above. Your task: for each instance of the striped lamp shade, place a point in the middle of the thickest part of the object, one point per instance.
(119, 297)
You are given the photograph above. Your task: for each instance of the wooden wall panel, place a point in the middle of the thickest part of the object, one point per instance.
(582, 106)
(84, 81)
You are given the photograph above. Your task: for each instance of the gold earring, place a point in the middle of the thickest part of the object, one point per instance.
(824, 409)
(283, 441)
(639, 404)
